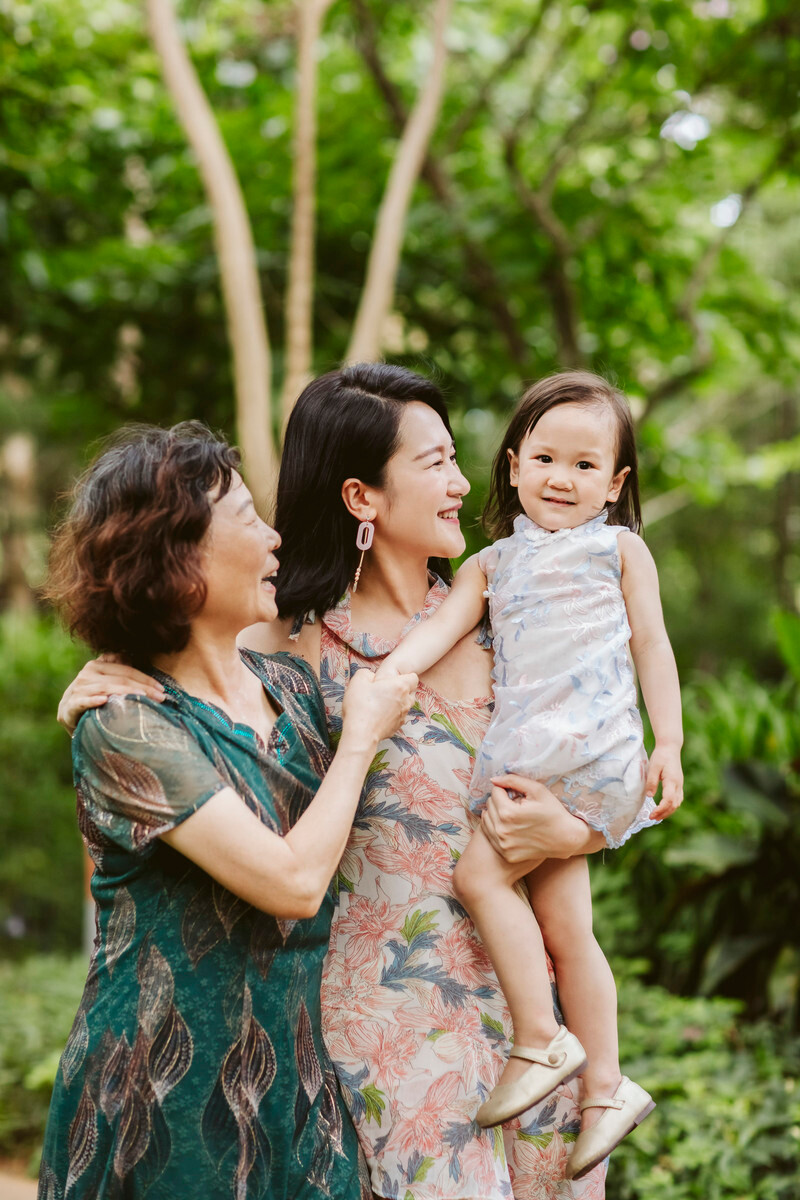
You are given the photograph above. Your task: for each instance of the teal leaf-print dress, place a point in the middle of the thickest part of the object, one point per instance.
(195, 1065)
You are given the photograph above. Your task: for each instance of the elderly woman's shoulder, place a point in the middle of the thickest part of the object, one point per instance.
(285, 670)
(132, 717)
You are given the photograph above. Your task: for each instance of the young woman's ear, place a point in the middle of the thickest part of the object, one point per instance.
(357, 499)
(513, 469)
(616, 485)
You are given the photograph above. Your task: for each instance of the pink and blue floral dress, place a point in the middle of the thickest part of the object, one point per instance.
(413, 1016)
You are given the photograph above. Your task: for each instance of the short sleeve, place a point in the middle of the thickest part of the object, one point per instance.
(487, 561)
(139, 771)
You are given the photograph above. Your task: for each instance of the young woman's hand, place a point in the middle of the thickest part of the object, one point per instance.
(534, 824)
(375, 708)
(103, 677)
(665, 768)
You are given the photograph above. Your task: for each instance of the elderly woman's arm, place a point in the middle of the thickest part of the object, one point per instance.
(534, 824)
(288, 876)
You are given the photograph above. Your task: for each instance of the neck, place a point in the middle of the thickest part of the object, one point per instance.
(392, 584)
(209, 666)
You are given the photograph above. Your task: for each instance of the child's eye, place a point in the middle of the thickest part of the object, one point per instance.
(585, 466)
(543, 458)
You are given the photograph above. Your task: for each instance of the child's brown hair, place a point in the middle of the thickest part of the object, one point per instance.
(568, 387)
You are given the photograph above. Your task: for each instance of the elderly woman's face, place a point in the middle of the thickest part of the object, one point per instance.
(239, 561)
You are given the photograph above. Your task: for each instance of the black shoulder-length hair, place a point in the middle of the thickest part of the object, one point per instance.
(346, 424)
(567, 387)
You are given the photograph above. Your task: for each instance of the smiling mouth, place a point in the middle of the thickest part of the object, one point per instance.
(552, 500)
(449, 514)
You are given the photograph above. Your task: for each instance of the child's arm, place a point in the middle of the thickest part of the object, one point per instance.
(655, 666)
(430, 641)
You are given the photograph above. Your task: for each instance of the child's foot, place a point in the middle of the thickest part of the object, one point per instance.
(618, 1115)
(562, 1059)
(591, 1115)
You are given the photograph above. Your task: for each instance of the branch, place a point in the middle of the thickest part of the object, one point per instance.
(378, 291)
(686, 308)
(515, 52)
(479, 267)
(555, 276)
(236, 255)
(300, 287)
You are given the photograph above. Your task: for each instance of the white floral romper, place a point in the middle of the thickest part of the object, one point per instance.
(413, 1016)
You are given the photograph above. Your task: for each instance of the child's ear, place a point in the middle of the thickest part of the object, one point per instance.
(513, 473)
(616, 485)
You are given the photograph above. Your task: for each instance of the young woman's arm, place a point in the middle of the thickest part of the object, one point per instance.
(535, 824)
(431, 639)
(289, 876)
(655, 666)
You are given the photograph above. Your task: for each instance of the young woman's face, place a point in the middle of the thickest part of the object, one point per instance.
(239, 561)
(564, 469)
(418, 507)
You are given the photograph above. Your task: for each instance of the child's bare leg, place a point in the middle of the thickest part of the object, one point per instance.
(561, 898)
(484, 883)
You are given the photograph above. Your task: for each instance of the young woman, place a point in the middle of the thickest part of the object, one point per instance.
(415, 1020)
(195, 1065)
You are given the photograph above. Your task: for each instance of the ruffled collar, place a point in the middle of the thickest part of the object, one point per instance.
(339, 621)
(537, 533)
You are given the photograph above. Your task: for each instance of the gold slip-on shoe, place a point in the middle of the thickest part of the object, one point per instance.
(627, 1108)
(562, 1059)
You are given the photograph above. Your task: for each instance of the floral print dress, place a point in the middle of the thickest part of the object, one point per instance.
(413, 1016)
(196, 1066)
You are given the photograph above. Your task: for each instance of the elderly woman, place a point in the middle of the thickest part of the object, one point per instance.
(413, 1015)
(195, 1065)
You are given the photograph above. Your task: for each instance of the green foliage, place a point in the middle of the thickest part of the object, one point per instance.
(38, 1001)
(708, 898)
(41, 863)
(727, 1122)
(110, 306)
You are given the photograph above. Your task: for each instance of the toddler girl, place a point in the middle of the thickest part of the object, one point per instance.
(572, 592)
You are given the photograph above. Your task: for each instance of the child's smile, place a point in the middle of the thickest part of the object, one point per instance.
(565, 467)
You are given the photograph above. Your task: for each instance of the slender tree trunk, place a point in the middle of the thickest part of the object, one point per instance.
(235, 251)
(17, 465)
(378, 294)
(300, 288)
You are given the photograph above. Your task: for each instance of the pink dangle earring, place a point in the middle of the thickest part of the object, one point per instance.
(366, 532)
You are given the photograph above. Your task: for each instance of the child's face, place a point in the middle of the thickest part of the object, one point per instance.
(565, 466)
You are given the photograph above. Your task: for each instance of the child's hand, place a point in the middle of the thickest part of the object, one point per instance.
(665, 768)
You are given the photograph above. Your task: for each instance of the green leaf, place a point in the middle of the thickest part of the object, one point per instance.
(416, 923)
(491, 1023)
(375, 1102)
(450, 727)
(422, 1169)
(536, 1139)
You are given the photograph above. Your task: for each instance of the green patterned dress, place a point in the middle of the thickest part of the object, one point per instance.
(195, 1066)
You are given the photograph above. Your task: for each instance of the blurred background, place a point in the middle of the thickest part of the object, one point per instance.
(201, 206)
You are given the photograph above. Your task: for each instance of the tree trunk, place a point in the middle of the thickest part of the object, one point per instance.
(378, 294)
(18, 467)
(235, 252)
(300, 287)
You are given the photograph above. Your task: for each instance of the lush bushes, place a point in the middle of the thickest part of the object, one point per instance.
(727, 1123)
(41, 859)
(38, 999)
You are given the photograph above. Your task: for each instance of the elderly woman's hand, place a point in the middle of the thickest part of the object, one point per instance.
(103, 677)
(374, 708)
(534, 824)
